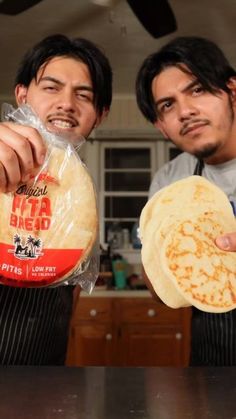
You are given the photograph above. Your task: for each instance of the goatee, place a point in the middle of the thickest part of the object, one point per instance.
(208, 151)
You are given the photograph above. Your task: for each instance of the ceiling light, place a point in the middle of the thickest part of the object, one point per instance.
(104, 3)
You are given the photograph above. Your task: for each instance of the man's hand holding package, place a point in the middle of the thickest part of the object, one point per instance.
(22, 151)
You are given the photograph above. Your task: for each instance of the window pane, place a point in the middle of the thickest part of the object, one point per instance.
(124, 224)
(124, 207)
(121, 181)
(127, 158)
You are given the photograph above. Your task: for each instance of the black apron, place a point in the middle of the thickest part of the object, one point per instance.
(34, 325)
(213, 336)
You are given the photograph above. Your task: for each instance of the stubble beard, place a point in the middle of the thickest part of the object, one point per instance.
(209, 150)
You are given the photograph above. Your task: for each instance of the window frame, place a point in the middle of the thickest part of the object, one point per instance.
(103, 194)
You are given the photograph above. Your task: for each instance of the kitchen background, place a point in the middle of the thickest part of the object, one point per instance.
(125, 151)
(122, 155)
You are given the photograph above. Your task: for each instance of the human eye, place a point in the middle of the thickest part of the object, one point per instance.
(84, 95)
(164, 107)
(49, 87)
(197, 89)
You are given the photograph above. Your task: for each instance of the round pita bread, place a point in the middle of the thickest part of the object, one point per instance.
(161, 222)
(160, 283)
(49, 226)
(201, 272)
(182, 196)
(147, 212)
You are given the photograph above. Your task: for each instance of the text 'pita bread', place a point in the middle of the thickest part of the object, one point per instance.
(48, 228)
(178, 228)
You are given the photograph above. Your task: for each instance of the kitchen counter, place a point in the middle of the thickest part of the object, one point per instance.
(104, 292)
(117, 393)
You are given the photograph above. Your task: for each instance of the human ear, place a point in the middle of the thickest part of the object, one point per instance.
(20, 94)
(231, 84)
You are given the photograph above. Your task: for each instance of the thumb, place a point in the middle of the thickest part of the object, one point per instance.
(227, 242)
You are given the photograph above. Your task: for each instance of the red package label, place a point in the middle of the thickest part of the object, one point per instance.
(30, 266)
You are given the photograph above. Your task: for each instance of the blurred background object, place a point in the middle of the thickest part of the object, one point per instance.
(156, 16)
(128, 43)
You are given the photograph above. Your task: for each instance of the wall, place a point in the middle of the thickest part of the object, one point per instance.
(125, 120)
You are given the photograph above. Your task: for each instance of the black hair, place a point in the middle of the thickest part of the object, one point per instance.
(199, 56)
(79, 48)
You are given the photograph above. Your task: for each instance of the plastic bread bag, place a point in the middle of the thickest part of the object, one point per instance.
(49, 225)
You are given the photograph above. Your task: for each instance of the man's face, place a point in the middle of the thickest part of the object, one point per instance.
(62, 97)
(194, 119)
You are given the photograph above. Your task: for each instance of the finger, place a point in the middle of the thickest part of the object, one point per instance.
(227, 242)
(33, 137)
(3, 179)
(20, 146)
(10, 168)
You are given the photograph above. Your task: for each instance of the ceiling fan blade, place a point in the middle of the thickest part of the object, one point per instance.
(13, 7)
(156, 16)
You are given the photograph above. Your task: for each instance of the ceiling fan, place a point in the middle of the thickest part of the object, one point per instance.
(13, 7)
(156, 16)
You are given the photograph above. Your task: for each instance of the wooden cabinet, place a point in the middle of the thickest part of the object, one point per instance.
(93, 337)
(152, 334)
(128, 332)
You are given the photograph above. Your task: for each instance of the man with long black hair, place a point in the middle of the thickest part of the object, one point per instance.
(187, 90)
(68, 84)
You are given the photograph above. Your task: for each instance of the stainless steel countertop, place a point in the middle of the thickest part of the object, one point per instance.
(117, 393)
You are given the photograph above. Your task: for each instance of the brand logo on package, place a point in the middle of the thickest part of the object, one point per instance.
(29, 248)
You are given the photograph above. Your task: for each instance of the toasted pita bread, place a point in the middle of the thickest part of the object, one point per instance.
(162, 223)
(160, 283)
(182, 197)
(201, 272)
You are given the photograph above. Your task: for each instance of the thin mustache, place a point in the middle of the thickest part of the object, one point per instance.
(187, 125)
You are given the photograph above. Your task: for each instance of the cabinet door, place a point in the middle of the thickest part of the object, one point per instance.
(93, 310)
(143, 345)
(91, 344)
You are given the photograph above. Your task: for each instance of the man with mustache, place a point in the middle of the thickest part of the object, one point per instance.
(68, 84)
(187, 90)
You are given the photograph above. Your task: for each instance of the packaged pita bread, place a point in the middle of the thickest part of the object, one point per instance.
(178, 228)
(49, 226)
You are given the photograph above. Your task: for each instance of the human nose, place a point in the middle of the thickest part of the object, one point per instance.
(66, 101)
(186, 109)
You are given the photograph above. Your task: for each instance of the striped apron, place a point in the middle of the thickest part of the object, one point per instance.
(34, 325)
(213, 336)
